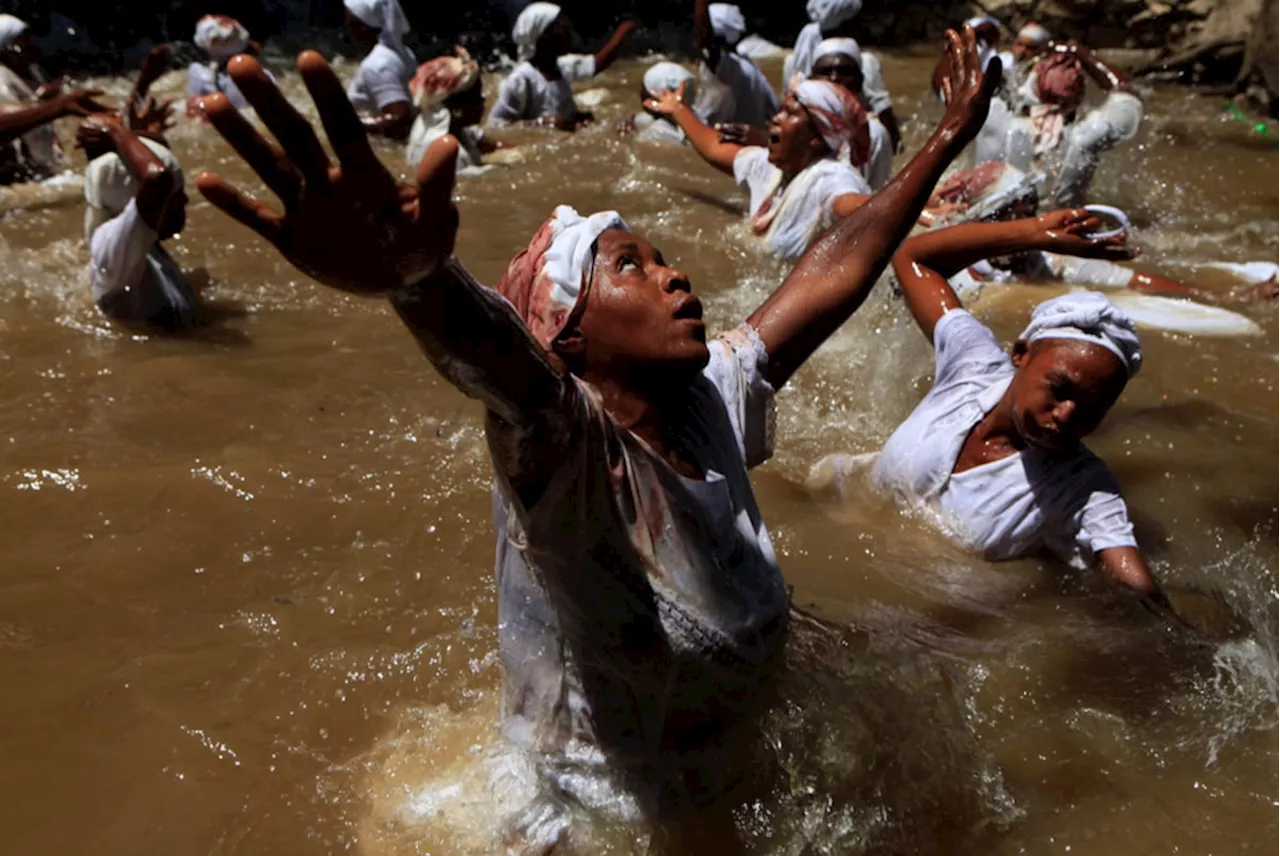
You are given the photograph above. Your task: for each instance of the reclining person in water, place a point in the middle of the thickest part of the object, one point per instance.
(641, 607)
(994, 449)
(807, 178)
(539, 89)
(135, 199)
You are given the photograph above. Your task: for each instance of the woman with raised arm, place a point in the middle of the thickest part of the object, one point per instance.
(379, 90)
(641, 607)
(807, 178)
(540, 89)
(716, 30)
(840, 61)
(994, 450)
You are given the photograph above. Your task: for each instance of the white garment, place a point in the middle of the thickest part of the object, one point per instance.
(653, 130)
(727, 22)
(1114, 121)
(829, 14)
(756, 48)
(10, 28)
(804, 206)
(754, 101)
(206, 78)
(526, 94)
(133, 278)
(531, 23)
(992, 141)
(1067, 502)
(422, 135)
(37, 152)
(638, 610)
(874, 92)
(1039, 266)
(879, 167)
(388, 18)
(381, 80)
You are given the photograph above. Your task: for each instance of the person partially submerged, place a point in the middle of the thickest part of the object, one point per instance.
(379, 90)
(220, 37)
(540, 88)
(809, 175)
(133, 190)
(654, 127)
(995, 448)
(641, 607)
(749, 98)
(449, 94)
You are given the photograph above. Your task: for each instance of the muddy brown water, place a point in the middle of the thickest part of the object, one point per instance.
(247, 602)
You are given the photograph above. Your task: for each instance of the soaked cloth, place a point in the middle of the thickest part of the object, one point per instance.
(839, 47)
(660, 77)
(1066, 502)
(546, 280)
(986, 192)
(829, 14)
(434, 83)
(1039, 266)
(874, 92)
(383, 76)
(531, 23)
(526, 94)
(1034, 33)
(790, 216)
(37, 154)
(1114, 121)
(727, 22)
(757, 48)
(1087, 316)
(1054, 90)
(133, 278)
(753, 100)
(206, 78)
(838, 116)
(221, 36)
(640, 611)
(663, 76)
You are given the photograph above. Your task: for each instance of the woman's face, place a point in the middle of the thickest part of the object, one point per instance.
(839, 69)
(639, 314)
(793, 141)
(1062, 390)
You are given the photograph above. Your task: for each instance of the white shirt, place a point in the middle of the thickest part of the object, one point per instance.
(381, 80)
(756, 47)
(879, 166)
(874, 92)
(653, 130)
(1067, 502)
(754, 101)
(133, 278)
(205, 78)
(805, 206)
(639, 611)
(1040, 266)
(526, 94)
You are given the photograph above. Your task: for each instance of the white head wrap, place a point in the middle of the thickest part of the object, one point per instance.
(829, 14)
(1087, 316)
(838, 116)
(662, 76)
(1034, 33)
(532, 22)
(977, 21)
(838, 47)
(221, 37)
(388, 19)
(108, 184)
(727, 22)
(545, 281)
(10, 29)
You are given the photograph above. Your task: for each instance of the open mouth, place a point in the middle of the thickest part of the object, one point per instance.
(774, 137)
(690, 310)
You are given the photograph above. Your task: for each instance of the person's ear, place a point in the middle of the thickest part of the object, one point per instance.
(1020, 353)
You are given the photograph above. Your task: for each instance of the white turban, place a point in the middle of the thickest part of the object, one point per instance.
(662, 76)
(1034, 33)
(10, 29)
(532, 22)
(108, 184)
(976, 22)
(545, 281)
(388, 19)
(838, 115)
(1087, 316)
(829, 14)
(727, 22)
(838, 47)
(221, 37)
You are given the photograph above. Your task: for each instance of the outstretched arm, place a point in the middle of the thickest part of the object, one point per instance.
(706, 141)
(607, 54)
(1108, 77)
(836, 273)
(156, 185)
(925, 262)
(353, 227)
(78, 102)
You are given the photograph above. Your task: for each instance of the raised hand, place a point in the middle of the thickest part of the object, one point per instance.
(349, 225)
(1068, 232)
(80, 102)
(966, 87)
(668, 101)
(154, 65)
(151, 119)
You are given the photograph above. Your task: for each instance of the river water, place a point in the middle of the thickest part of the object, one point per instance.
(248, 603)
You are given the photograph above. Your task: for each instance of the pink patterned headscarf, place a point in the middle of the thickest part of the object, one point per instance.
(442, 77)
(839, 117)
(548, 280)
(1055, 90)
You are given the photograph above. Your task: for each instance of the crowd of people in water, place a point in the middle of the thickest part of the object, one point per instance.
(641, 603)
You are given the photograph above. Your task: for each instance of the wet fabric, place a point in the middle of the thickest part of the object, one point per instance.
(388, 18)
(381, 80)
(531, 23)
(639, 611)
(10, 28)
(789, 216)
(838, 116)
(133, 278)
(756, 48)
(526, 94)
(727, 22)
(1114, 121)
(206, 78)
(1087, 316)
(1065, 502)
(221, 36)
(1054, 90)
(37, 154)
(753, 100)
(435, 82)
(800, 64)
(109, 186)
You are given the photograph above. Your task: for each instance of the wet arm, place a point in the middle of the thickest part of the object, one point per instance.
(1126, 567)
(706, 141)
(1108, 77)
(394, 121)
(607, 54)
(156, 185)
(1154, 283)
